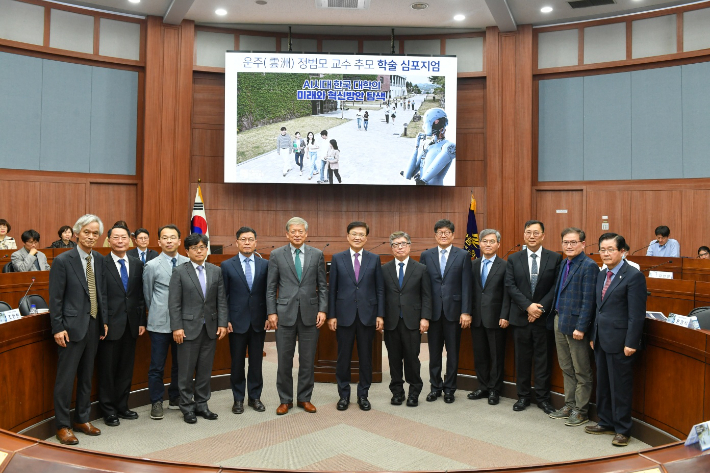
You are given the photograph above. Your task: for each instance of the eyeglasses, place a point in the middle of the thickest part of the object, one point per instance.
(297, 232)
(357, 235)
(170, 238)
(444, 234)
(488, 242)
(607, 251)
(198, 248)
(246, 240)
(400, 245)
(535, 234)
(570, 243)
(700, 255)
(120, 238)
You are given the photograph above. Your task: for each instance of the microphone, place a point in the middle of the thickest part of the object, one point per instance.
(28, 290)
(263, 247)
(377, 246)
(511, 250)
(656, 266)
(644, 247)
(227, 246)
(589, 246)
(326, 246)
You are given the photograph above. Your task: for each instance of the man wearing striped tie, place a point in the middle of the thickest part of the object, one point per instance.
(77, 307)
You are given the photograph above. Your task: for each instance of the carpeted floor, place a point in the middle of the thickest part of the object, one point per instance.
(433, 436)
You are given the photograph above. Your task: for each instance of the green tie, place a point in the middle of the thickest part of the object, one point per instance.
(297, 262)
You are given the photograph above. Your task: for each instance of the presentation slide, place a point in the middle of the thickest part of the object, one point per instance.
(343, 118)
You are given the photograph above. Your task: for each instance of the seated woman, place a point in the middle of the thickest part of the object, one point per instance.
(6, 241)
(65, 238)
(703, 252)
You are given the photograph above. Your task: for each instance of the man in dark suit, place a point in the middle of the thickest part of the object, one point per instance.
(77, 308)
(573, 315)
(491, 307)
(407, 313)
(245, 286)
(123, 285)
(530, 279)
(297, 302)
(141, 251)
(616, 338)
(449, 270)
(198, 315)
(357, 309)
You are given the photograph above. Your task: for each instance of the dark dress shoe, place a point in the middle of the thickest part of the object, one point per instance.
(449, 398)
(397, 399)
(207, 414)
(364, 403)
(238, 407)
(620, 440)
(66, 436)
(478, 394)
(257, 405)
(412, 401)
(493, 398)
(521, 404)
(87, 429)
(112, 421)
(431, 397)
(283, 408)
(547, 407)
(599, 430)
(307, 406)
(190, 418)
(128, 414)
(343, 404)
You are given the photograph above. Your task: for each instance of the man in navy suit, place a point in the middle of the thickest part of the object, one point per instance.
(141, 251)
(616, 338)
(357, 302)
(245, 285)
(573, 315)
(450, 274)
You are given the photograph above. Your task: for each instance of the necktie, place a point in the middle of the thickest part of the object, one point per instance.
(533, 273)
(91, 284)
(174, 260)
(37, 264)
(124, 274)
(143, 256)
(442, 262)
(484, 274)
(297, 263)
(356, 266)
(247, 272)
(564, 277)
(609, 275)
(562, 284)
(203, 281)
(401, 274)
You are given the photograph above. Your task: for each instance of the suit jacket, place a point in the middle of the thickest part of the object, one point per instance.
(125, 308)
(156, 282)
(577, 301)
(517, 281)
(349, 298)
(69, 303)
(190, 309)
(490, 303)
(413, 300)
(23, 262)
(149, 254)
(246, 307)
(452, 292)
(285, 293)
(621, 315)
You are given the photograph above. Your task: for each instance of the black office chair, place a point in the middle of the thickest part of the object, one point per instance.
(27, 301)
(4, 306)
(8, 268)
(703, 315)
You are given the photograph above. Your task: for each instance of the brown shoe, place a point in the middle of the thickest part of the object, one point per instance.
(598, 430)
(283, 408)
(87, 429)
(307, 406)
(66, 436)
(620, 440)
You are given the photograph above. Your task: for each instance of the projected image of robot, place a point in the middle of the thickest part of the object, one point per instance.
(430, 164)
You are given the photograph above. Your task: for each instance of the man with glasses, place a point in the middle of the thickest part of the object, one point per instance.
(244, 278)
(141, 251)
(573, 311)
(449, 270)
(357, 310)
(28, 258)
(530, 279)
(198, 317)
(156, 281)
(407, 314)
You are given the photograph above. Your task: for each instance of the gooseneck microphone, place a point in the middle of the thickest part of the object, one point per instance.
(28, 290)
(377, 246)
(510, 250)
(589, 246)
(326, 246)
(656, 266)
(644, 247)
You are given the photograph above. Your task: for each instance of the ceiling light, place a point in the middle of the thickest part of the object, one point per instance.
(459, 17)
(546, 9)
(420, 6)
(134, 1)
(221, 11)
(261, 2)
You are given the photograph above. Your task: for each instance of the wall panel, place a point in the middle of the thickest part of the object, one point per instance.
(22, 22)
(113, 202)
(696, 119)
(547, 204)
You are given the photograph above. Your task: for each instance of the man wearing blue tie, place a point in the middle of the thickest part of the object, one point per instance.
(141, 251)
(245, 286)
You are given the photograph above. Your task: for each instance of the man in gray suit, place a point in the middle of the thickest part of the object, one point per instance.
(297, 302)
(156, 280)
(198, 315)
(28, 258)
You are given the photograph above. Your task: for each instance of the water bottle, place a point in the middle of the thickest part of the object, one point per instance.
(33, 309)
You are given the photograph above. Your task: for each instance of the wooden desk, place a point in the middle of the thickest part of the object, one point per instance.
(696, 269)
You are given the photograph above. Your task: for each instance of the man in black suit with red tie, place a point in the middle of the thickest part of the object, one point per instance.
(357, 309)
(123, 281)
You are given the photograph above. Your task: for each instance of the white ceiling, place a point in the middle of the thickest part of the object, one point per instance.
(305, 17)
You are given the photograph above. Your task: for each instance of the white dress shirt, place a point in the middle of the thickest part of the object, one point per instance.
(530, 260)
(491, 259)
(404, 268)
(116, 260)
(352, 257)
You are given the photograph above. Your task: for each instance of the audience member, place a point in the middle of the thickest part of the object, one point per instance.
(663, 245)
(28, 258)
(703, 252)
(142, 252)
(65, 238)
(6, 241)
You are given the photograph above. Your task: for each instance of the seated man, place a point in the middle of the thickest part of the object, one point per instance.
(663, 246)
(703, 252)
(28, 258)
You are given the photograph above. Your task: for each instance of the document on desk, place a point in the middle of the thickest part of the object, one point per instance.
(700, 434)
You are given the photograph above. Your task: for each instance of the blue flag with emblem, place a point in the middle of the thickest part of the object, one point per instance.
(471, 244)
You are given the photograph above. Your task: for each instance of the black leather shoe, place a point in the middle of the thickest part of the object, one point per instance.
(190, 418)
(257, 405)
(477, 394)
(238, 407)
(521, 404)
(343, 404)
(364, 403)
(431, 397)
(412, 401)
(128, 414)
(397, 399)
(547, 407)
(449, 398)
(207, 414)
(112, 421)
(493, 398)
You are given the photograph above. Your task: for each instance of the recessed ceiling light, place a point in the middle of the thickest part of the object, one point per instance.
(459, 17)
(221, 11)
(134, 1)
(420, 6)
(261, 2)
(546, 9)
